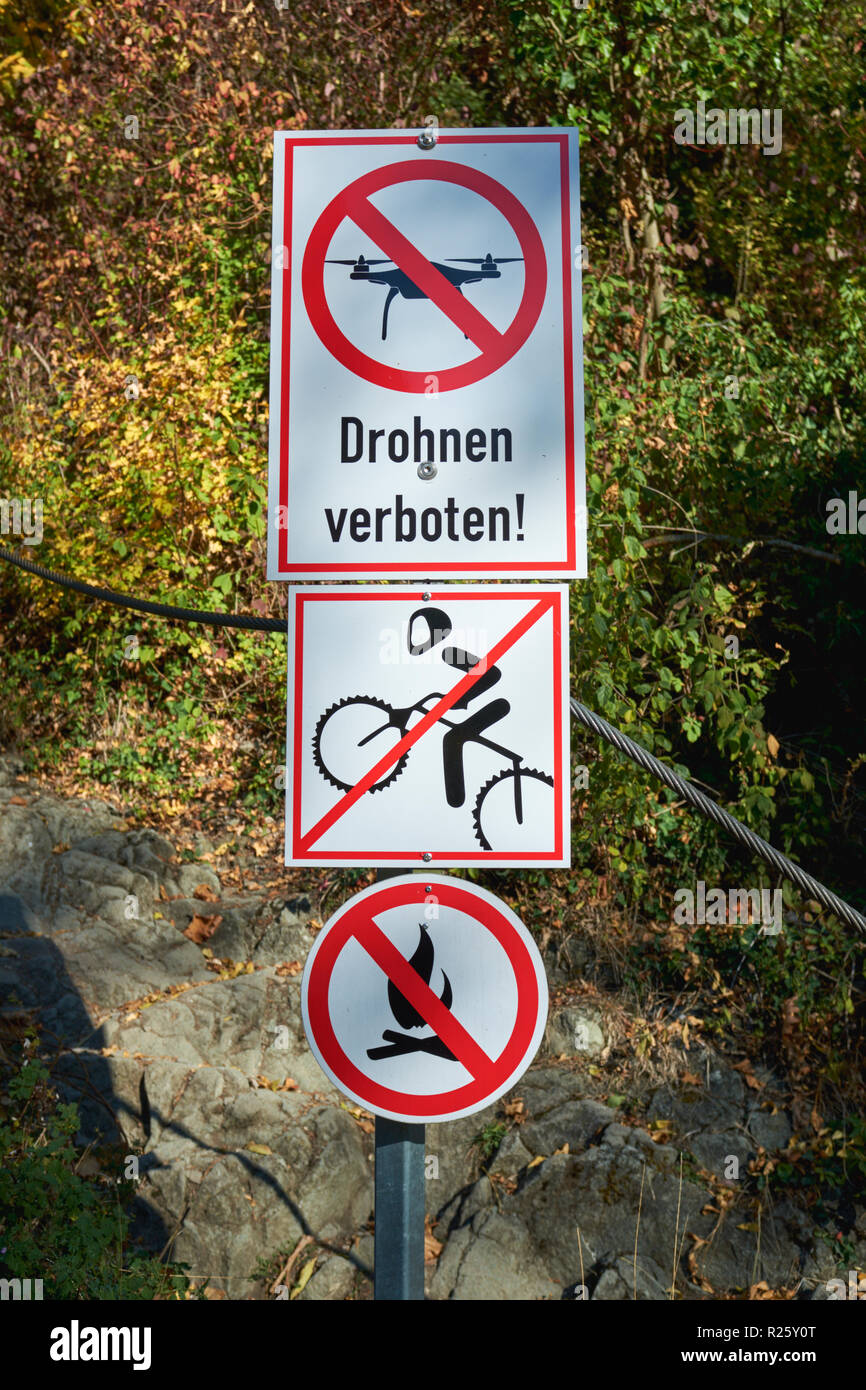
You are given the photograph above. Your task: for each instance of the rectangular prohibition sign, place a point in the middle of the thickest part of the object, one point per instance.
(426, 387)
(428, 726)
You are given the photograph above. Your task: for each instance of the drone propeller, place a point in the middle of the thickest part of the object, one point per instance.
(484, 260)
(357, 260)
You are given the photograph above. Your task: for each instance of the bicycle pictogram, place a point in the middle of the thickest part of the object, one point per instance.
(352, 734)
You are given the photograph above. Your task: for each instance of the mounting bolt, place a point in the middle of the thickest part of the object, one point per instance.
(428, 888)
(427, 471)
(427, 139)
(426, 596)
(426, 856)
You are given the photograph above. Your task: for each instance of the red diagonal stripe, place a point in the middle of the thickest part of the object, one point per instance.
(409, 739)
(422, 998)
(421, 272)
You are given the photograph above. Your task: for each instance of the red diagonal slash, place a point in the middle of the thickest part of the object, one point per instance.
(544, 605)
(421, 271)
(421, 997)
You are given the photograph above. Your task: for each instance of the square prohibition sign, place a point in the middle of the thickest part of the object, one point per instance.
(426, 382)
(428, 726)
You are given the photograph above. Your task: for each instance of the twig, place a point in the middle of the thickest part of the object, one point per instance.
(636, 1230)
(694, 537)
(677, 1228)
(283, 1276)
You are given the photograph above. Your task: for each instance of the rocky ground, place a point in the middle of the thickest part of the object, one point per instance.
(253, 1169)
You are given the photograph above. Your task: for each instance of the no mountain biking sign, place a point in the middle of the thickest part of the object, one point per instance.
(427, 726)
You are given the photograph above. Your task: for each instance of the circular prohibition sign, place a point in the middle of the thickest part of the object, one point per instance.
(490, 1076)
(353, 202)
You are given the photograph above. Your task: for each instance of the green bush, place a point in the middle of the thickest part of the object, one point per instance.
(72, 1232)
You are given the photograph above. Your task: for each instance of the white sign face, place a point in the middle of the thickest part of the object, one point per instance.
(424, 998)
(428, 726)
(426, 392)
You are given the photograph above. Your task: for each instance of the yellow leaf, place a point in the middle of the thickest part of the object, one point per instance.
(304, 1277)
(773, 745)
(535, 1162)
(258, 1148)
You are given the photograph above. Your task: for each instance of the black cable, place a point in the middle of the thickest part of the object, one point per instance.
(161, 610)
(591, 721)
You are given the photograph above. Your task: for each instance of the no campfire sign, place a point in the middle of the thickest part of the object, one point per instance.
(428, 726)
(426, 394)
(424, 998)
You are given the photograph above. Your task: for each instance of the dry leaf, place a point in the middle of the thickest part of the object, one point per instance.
(201, 929)
(432, 1246)
(563, 1150)
(289, 967)
(266, 1084)
(773, 745)
(205, 893)
(691, 1078)
(535, 1162)
(259, 1149)
(18, 801)
(515, 1110)
(304, 1278)
(432, 1249)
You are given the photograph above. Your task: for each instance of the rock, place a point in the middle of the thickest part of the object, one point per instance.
(511, 1156)
(770, 1132)
(334, 1279)
(492, 1260)
(192, 876)
(720, 1105)
(715, 1152)
(576, 1124)
(233, 1168)
(626, 1280)
(574, 1030)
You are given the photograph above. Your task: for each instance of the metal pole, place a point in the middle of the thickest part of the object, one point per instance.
(399, 1201)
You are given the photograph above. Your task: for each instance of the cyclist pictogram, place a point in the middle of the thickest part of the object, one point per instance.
(355, 727)
(427, 727)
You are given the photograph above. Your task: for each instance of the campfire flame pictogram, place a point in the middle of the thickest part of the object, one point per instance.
(407, 1015)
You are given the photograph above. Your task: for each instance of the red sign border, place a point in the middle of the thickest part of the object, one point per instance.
(449, 378)
(441, 858)
(326, 950)
(462, 568)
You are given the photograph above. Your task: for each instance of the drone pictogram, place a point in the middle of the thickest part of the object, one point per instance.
(398, 281)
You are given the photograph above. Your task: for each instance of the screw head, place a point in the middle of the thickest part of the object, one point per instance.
(426, 596)
(426, 140)
(426, 856)
(426, 471)
(428, 888)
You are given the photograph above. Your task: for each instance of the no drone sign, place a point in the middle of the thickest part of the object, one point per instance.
(426, 394)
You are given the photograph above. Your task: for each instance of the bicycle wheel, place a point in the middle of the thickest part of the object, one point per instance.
(495, 816)
(350, 738)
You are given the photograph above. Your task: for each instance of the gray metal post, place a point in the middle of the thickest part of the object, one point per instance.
(399, 1239)
(399, 1201)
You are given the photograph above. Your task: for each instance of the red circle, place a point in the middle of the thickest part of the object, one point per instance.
(344, 1070)
(448, 378)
